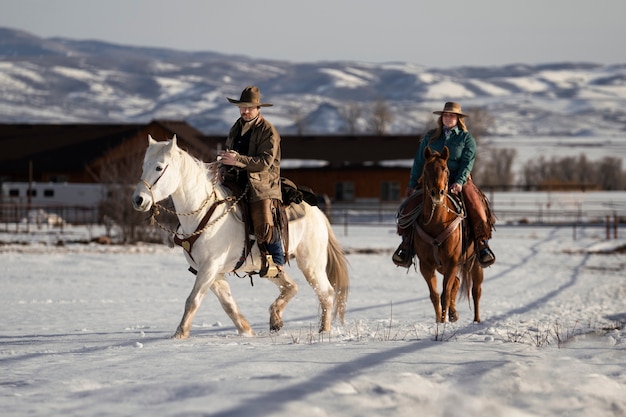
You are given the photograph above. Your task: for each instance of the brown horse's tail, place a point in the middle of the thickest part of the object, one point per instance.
(465, 274)
(467, 262)
(337, 272)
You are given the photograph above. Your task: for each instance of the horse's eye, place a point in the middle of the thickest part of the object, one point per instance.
(159, 168)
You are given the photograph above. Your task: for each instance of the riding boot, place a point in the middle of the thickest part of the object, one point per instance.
(486, 257)
(268, 237)
(273, 258)
(269, 269)
(481, 221)
(403, 256)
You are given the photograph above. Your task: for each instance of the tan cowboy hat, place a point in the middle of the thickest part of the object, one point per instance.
(250, 97)
(451, 107)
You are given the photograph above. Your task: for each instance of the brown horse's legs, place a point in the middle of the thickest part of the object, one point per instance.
(450, 287)
(431, 281)
(288, 288)
(453, 315)
(477, 282)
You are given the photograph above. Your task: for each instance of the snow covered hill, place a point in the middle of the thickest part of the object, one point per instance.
(62, 80)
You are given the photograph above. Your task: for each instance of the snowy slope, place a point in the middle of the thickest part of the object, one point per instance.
(61, 80)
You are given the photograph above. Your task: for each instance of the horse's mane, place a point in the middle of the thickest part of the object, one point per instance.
(191, 163)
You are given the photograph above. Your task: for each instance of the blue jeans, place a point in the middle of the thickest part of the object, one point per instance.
(275, 248)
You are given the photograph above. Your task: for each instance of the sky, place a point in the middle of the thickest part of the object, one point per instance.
(435, 34)
(85, 331)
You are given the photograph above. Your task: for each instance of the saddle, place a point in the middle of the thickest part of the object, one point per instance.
(293, 196)
(411, 209)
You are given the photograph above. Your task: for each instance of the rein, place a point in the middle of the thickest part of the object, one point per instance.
(204, 224)
(436, 242)
(434, 205)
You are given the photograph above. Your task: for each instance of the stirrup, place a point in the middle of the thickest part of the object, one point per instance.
(401, 257)
(269, 269)
(486, 257)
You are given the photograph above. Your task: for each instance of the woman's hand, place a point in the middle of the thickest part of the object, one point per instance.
(456, 188)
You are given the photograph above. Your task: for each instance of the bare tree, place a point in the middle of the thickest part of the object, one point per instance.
(119, 176)
(350, 114)
(381, 118)
(495, 169)
(569, 171)
(610, 174)
(479, 122)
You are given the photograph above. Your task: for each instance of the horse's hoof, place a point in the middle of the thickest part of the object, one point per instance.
(276, 326)
(453, 317)
(180, 335)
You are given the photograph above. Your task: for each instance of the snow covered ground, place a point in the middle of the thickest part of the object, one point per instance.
(84, 331)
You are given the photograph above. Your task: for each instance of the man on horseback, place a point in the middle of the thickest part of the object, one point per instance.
(451, 132)
(253, 158)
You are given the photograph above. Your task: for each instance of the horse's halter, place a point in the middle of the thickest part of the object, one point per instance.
(154, 208)
(431, 192)
(231, 200)
(149, 187)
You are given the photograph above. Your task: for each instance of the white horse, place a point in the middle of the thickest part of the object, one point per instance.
(220, 239)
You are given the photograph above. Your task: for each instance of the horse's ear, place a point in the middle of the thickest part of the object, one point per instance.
(151, 140)
(171, 144)
(427, 152)
(445, 154)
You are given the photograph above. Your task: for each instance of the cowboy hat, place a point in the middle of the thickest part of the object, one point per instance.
(250, 97)
(451, 107)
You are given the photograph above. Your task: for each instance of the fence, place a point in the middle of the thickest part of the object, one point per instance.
(600, 209)
(20, 217)
(604, 209)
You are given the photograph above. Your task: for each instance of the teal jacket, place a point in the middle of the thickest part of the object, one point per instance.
(462, 148)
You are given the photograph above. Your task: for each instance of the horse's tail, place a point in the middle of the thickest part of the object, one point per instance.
(337, 272)
(465, 274)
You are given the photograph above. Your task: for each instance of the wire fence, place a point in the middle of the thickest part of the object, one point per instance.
(19, 217)
(606, 210)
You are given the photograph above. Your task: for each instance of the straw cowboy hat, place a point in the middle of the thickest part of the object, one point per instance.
(451, 107)
(250, 97)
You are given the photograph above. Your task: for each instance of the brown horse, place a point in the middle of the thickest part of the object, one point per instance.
(440, 244)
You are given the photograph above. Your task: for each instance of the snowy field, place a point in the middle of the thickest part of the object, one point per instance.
(85, 331)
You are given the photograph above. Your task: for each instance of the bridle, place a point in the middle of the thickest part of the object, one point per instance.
(442, 202)
(155, 208)
(149, 187)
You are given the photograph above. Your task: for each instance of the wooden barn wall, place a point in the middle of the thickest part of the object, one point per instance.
(367, 180)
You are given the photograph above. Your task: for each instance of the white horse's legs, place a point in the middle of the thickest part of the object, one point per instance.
(288, 288)
(221, 289)
(316, 277)
(191, 307)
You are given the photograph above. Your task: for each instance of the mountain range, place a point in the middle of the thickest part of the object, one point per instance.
(58, 80)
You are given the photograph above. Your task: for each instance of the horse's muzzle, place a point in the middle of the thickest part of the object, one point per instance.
(141, 203)
(437, 196)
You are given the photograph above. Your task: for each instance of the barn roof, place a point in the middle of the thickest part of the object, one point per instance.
(343, 151)
(71, 147)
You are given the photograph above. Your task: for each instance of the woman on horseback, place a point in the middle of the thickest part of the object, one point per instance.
(452, 133)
